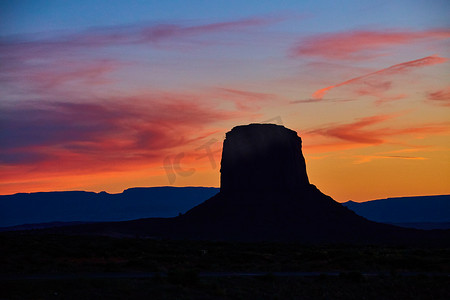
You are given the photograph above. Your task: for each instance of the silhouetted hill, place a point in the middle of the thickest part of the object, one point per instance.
(265, 195)
(133, 203)
(426, 212)
(39, 226)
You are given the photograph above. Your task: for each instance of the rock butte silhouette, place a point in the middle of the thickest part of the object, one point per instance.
(265, 195)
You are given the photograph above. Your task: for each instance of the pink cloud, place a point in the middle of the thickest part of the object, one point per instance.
(357, 44)
(56, 75)
(392, 70)
(56, 78)
(440, 97)
(232, 25)
(33, 62)
(245, 100)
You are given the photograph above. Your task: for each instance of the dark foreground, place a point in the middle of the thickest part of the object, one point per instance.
(68, 267)
(268, 287)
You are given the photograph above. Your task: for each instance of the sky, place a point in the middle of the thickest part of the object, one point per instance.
(107, 95)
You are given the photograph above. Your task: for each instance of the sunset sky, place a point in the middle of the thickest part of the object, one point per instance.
(107, 95)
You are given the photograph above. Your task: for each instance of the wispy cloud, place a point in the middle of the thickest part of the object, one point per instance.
(55, 75)
(362, 131)
(368, 158)
(357, 45)
(383, 85)
(355, 132)
(153, 35)
(38, 63)
(245, 100)
(440, 97)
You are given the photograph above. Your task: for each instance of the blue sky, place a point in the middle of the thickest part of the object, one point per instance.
(20, 17)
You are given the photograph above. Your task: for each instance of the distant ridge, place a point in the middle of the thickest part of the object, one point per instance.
(423, 212)
(80, 206)
(39, 226)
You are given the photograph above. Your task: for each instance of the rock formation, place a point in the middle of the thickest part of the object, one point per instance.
(262, 158)
(265, 195)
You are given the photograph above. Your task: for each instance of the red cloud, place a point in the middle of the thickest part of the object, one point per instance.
(43, 140)
(359, 132)
(355, 44)
(441, 97)
(355, 132)
(392, 70)
(100, 135)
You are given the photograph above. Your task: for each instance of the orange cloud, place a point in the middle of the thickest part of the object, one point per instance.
(392, 70)
(361, 44)
(368, 158)
(320, 93)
